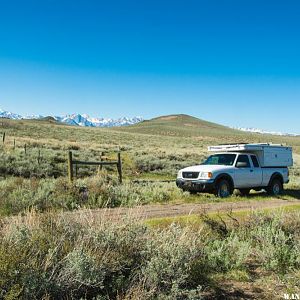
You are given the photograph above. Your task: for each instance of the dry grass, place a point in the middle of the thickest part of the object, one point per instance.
(51, 256)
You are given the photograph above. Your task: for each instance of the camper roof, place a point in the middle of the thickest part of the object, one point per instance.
(243, 147)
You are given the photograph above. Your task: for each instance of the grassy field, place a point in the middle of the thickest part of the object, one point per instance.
(152, 150)
(43, 254)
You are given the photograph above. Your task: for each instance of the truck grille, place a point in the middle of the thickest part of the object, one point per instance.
(191, 175)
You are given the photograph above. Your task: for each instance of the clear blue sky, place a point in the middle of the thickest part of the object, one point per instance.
(232, 62)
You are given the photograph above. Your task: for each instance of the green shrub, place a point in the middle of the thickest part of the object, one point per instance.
(65, 259)
(274, 247)
(222, 255)
(169, 259)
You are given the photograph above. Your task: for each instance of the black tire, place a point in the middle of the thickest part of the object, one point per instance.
(275, 187)
(244, 192)
(223, 189)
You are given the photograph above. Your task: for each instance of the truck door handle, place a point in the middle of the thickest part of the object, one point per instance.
(251, 171)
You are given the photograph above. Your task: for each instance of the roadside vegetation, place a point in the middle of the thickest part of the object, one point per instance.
(19, 195)
(48, 256)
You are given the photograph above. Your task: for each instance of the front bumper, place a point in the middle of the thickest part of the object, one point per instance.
(196, 185)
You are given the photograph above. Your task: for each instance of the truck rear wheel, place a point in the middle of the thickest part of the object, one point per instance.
(223, 189)
(275, 187)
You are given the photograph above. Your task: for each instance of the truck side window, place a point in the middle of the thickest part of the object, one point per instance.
(244, 159)
(255, 161)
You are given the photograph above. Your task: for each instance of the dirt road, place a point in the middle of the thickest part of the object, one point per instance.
(173, 210)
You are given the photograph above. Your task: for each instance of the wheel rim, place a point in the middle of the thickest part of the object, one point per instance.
(276, 188)
(224, 190)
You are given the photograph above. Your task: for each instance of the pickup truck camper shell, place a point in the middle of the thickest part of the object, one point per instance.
(269, 155)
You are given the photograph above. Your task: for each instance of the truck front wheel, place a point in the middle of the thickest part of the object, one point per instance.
(223, 189)
(275, 187)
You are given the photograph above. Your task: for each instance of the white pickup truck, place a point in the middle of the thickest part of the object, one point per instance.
(239, 166)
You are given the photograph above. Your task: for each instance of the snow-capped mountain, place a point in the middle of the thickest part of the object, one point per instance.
(261, 131)
(78, 119)
(9, 115)
(85, 120)
(33, 117)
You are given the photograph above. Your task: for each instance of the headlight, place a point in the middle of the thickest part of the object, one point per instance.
(206, 175)
(179, 174)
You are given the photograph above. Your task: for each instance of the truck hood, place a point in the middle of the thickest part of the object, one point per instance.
(206, 168)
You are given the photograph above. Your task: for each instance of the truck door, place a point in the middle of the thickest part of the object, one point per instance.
(257, 171)
(244, 176)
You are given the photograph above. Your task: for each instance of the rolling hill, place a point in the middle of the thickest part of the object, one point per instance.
(180, 125)
(185, 126)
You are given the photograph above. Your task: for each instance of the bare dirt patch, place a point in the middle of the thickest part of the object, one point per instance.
(168, 118)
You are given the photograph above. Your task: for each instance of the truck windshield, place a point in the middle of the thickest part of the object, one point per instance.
(220, 159)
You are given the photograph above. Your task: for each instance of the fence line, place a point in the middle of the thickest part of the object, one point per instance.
(75, 163)
(72, 163)
(153, 181)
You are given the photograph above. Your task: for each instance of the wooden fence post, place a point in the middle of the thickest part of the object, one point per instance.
(75, 162)
(70, 166)
(39, 156)
(25, 149)
(3, 138)
(14, 144)
(100, 166)
(101, 160)
(119, 166)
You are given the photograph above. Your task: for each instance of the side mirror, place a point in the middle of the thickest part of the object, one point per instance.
(241, 164)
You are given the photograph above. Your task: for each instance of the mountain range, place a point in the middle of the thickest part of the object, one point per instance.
(78, 119)
(85, 120)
